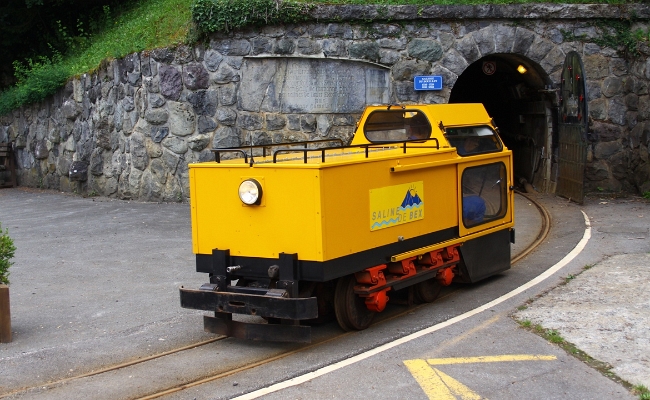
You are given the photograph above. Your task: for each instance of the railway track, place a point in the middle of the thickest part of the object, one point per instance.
(123, 368)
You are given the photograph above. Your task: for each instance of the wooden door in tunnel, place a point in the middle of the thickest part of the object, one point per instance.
(572, 130)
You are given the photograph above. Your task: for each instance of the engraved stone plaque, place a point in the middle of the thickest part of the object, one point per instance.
(296, 85)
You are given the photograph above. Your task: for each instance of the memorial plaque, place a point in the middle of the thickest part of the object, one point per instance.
(295, 85)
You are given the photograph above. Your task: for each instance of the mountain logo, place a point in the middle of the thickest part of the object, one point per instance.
(396, 205)
(411, 199)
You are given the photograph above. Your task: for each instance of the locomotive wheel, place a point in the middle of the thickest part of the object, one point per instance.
(427, 291)
(351, 311)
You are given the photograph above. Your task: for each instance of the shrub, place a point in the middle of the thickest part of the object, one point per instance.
(226, 15)
(36, 81)
(7, 250)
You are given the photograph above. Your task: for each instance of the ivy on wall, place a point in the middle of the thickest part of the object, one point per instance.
(226, 15)
(617, 34)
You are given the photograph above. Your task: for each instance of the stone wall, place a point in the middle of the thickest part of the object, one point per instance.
(130, 129)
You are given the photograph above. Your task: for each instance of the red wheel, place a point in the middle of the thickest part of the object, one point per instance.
(351, 311)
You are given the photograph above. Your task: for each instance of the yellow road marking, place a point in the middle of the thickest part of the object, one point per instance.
(436, 384)
(490, 359)
(439, 386)
(456, 387)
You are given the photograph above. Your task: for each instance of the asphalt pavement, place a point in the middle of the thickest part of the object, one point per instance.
(95, 283)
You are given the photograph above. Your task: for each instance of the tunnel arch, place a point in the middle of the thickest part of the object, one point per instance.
(519, 94)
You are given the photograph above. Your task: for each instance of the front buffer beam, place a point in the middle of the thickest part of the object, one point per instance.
(289, 310)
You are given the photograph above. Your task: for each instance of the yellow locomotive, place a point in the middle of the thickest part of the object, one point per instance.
(421, 197)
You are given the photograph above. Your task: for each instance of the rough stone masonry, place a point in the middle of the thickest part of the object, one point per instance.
(130, 129)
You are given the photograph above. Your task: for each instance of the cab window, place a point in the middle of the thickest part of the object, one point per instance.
(396, 126)
(470, 140)
(484, 194)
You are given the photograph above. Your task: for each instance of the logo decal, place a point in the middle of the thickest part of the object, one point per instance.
(396, 205)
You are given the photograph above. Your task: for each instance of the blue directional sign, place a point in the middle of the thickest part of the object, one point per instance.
(427, 82)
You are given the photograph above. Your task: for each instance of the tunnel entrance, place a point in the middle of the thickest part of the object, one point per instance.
(518, 94)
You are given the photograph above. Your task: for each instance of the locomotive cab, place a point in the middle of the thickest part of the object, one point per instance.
(421, 197)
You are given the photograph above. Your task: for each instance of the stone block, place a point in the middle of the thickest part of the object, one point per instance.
(78, 171)
(454, 62)
(612, 86)
(484, 39)
(212, 60)
(206, 124)
(182, 120)
(598, 109)
(334, 47)
(175, 144)
(617, 110)
(605, 150)
(468, 49)
(226, 116)
(171, 82)
(195, 76)
(425, 49)
(364, 50)
(204, 102)
(231, 47)
(523, 40)
(596, 66)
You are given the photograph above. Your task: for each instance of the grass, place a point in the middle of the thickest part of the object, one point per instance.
(151, 24)
(642, 392)
(146, 25)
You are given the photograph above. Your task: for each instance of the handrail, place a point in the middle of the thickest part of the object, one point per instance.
(242, 149)
(366, 146)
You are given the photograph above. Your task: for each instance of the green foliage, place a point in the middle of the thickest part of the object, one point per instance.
(37, 79)
(226, 15)
(146, 25)
(618, 34)
(646, 195)
(7, 250)
(553, 336)
(642, 391)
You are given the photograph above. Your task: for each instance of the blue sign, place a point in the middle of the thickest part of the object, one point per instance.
(429, 82)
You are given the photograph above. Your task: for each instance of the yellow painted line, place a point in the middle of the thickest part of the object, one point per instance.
(490, 359)
(439, 386)
(456, 387)
(428, 380)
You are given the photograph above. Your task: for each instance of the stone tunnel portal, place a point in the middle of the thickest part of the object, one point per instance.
(518, 94)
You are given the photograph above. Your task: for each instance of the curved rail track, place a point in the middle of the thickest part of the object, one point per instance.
(545, 227)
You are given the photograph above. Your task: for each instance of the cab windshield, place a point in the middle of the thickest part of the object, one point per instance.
(396, 126)
(470, 140)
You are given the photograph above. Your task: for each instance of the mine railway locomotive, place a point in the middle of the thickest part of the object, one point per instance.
(294, 232)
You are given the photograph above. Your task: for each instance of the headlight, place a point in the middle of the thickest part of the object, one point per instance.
(250, 192)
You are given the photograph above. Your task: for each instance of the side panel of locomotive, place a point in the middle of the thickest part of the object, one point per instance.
(319, 213)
